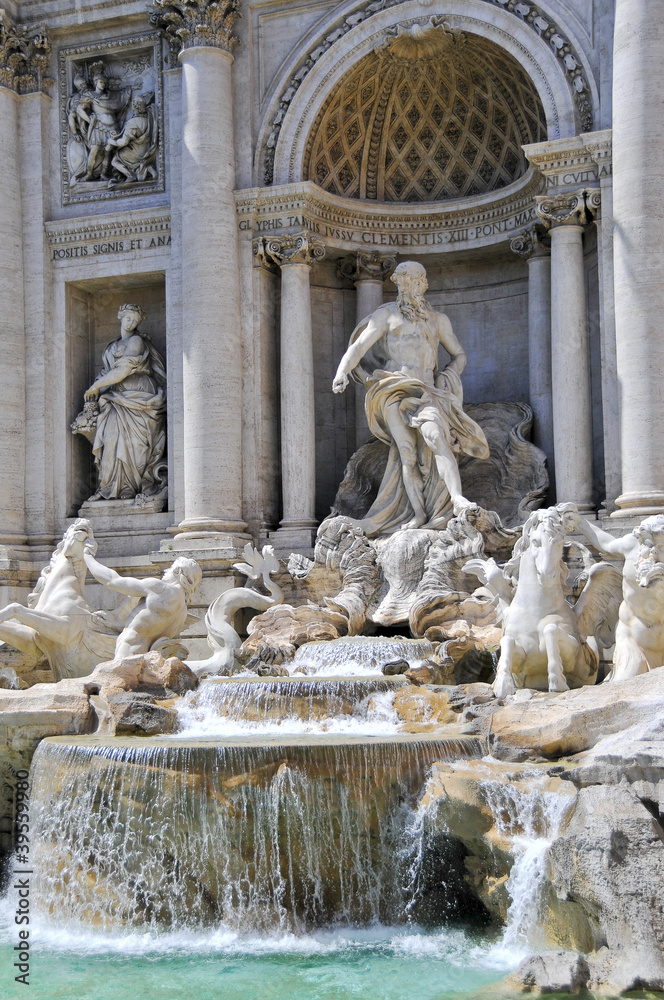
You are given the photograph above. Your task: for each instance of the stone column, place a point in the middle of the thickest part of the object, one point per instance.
(23, 60)
(638, 217)
(368, 272)
(265, 405)
(295, 255)
(566, 215)
(211, 342)
(531, 246)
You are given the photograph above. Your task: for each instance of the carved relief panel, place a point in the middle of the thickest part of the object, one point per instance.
(111, 119)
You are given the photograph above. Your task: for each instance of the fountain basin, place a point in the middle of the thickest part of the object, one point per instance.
(258, 833)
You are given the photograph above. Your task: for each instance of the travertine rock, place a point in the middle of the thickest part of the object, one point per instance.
(609, 864)
(148, 673)
(541, 725)
(278, 632)
(555, 972)
(422, 710)
(137, 715)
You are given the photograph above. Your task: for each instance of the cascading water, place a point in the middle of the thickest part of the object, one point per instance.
(238, 706)
(251, 836)
(285, 819)
(529, 815)
(357, 655)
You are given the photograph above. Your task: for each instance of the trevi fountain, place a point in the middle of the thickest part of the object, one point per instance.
(332, 502)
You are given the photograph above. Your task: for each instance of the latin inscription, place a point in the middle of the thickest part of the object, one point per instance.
(574, 178)
(382, 239)
(110, 247)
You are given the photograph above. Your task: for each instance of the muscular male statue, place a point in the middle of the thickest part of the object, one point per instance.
(640, 630)
(414, 407)
(162, 603)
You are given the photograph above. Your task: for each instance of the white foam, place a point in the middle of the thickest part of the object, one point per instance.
(450, 945)
(373, 716)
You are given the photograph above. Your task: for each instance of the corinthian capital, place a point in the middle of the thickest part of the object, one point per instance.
(576, 208)
(530, 243)
(24, 55)
(360, 266)
(299, 248)
(197, 22)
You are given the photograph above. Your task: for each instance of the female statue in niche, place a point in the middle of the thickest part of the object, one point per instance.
(125, 415)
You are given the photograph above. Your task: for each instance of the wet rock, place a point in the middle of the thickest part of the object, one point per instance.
(557, 972)
(468, 650)
(426, 673)
(9, 679)
(477, 803)
(421, 710)
(395, 667)
(26, 717)
(138, 714)
(265, 668)
(420, 675)
(607, 868)
(475, 665)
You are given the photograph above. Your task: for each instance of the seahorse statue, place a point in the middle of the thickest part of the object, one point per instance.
(222, 637)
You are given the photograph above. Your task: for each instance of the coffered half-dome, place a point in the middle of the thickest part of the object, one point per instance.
(430, 115)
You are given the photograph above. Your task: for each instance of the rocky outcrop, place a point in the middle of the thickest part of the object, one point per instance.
(585, 771)
(540, 725)
(136, 714)
(554, 972)
(421, 710)
(148, 673)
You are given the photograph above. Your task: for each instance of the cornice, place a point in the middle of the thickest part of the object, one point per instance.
(349, 224)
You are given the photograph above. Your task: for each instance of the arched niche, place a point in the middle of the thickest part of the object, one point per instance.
(296, 103)
(431, 115)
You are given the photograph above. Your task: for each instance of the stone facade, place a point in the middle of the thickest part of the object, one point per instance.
(249, 175)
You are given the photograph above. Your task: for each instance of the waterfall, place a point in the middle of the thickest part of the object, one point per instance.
(358, 654)
(529, 815)
(256, 835)
(237, 706)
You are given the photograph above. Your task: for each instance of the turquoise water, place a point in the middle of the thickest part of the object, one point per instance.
(378, 964)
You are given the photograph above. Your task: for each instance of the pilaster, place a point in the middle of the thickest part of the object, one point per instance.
(638, 213)
(24, 56)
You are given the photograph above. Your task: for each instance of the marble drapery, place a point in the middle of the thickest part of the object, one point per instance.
(418, 403)
(130, 439)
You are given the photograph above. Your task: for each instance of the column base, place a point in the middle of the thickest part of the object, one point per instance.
(204, 533)
(639, 504)
(13, 539)
(292, 536)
